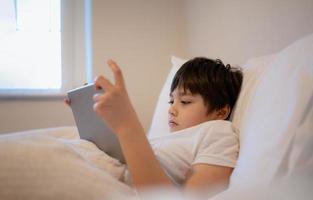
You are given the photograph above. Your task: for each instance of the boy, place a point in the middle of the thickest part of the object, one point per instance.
(202, 151)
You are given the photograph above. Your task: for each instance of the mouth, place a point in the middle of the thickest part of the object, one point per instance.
(172, 123)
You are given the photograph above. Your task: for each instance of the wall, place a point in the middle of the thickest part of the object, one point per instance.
(240, 29)
(140, 35)
(24, 114)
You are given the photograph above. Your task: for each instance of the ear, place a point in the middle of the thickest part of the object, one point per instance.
(223, 112)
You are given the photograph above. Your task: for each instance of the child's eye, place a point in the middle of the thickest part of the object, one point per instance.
(185, 102)
(171, 102)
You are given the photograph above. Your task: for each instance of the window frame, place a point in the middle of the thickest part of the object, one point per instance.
(76, 52)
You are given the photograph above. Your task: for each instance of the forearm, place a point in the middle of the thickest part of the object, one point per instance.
(144, 167)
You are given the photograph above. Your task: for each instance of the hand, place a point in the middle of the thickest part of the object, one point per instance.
(114, 105)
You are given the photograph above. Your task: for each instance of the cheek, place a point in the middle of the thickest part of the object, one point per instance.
(194, 118)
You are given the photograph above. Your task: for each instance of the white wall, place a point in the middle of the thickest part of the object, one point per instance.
(142, 34)
(24, 114)
(235, 30)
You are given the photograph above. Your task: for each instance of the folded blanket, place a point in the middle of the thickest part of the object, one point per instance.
(56, 164)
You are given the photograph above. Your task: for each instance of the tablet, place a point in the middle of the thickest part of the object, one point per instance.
(90, 126)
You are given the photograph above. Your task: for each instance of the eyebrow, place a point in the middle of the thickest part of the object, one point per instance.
(183, 94)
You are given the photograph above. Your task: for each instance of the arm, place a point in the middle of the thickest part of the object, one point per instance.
(210, 179)
(115, 108)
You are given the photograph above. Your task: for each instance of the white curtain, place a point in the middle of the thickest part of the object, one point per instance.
(7, 16)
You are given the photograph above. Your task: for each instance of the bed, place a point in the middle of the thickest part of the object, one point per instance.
(274, 113)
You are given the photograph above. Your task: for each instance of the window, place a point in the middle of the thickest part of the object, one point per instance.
(39, 41)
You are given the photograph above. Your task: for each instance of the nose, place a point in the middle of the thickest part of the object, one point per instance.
(172, 111)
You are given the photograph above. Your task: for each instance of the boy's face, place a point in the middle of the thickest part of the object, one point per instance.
(187, 110)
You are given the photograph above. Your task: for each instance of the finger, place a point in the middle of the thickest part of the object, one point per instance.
(67, 102)
(118, 76)
(97, 97)
(102, 82)
(97, 107)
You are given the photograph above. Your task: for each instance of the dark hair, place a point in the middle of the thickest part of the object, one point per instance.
(219, 85)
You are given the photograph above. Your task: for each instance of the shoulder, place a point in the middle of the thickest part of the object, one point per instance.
(221, 127)
(217, 144)
(217, 136)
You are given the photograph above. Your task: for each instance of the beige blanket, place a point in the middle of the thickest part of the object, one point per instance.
(56, 164)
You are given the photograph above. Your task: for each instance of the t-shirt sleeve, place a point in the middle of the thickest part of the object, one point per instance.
(218, 145)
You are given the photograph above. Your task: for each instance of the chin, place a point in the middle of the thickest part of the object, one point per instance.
(174, 129)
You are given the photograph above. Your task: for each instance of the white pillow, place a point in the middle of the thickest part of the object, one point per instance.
(276, 118)
(253, 70)
(159, 124)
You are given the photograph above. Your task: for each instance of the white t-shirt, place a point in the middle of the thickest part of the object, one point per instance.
(214, 142)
